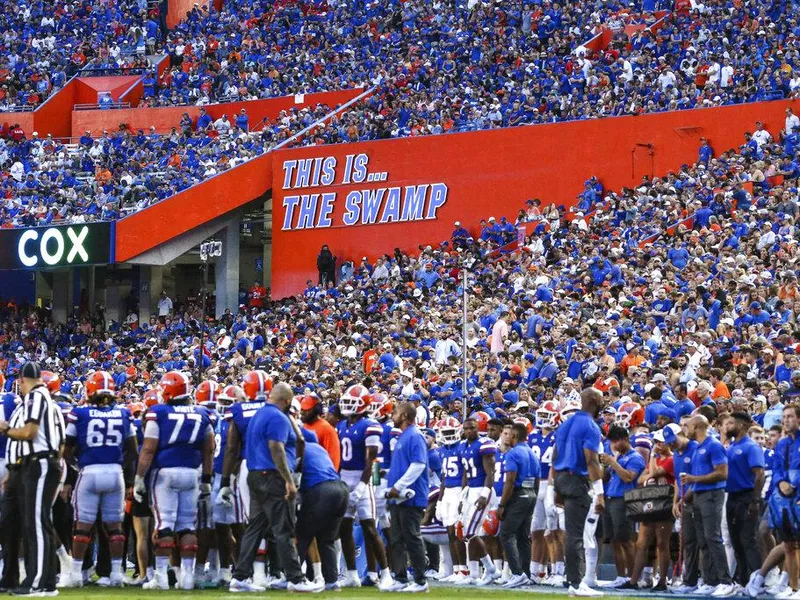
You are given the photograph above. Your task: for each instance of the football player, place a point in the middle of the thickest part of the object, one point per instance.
(206, 396)
(360, 439)
(140, 511)
(478, 459)
(228, 518)
(447, 509)
(381, 408)
(547, 532)
(99, 436)
(256, 386)
(178, 439)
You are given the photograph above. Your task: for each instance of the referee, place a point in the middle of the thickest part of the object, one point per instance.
(35, 434)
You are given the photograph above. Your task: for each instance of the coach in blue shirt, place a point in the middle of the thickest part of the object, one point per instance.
(324, 502)
(516, 501)
(625, 470)
(273, 444)
(706, 483)
(577, 470)
(408, 496)
(745, 482)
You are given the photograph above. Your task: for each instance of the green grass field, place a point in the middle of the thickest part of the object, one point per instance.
(133, 593)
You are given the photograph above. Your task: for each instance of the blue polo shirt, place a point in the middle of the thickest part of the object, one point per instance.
(576, 434)
(682, 463)
(743, 456)
(711, 453)
(630, 461)
(317, 467)
(268, 424)
(410, 448)
(521, 460)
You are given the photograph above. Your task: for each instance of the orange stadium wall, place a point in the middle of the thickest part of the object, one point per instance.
(25, 120)
(166, 118)
(191, 208)
(177, 9)
(470, 176)
(54, 115)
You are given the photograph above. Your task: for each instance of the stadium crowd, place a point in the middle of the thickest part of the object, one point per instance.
(110, 176)
(46, 43)
(666, 311)
(436, 68)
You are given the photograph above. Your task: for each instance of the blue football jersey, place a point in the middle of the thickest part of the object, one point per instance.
(499, 473)
(8, 403)
(472, 454)
(434, 467)
(452, 469)
(769, 461)
(241, 413)
(388, 442)
(138, 428)
(542, 446)
(353, 439)
(181, 432)
(220, 439)
(99, 434)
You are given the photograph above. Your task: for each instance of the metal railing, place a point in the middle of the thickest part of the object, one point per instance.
(98, 106)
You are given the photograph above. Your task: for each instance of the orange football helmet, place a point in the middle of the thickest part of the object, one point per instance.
(380, 407)
(151, 397)
(355, 401)
(449, 431)
(491, 524)
(174, 386)
(100, 382)
(231, 394)
(52, 381)
(525, 421)
(256, 383)
(548, 415)
(482, 419)
(207, 391)
(629, 415)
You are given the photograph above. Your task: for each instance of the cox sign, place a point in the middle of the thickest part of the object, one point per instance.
(59, 246)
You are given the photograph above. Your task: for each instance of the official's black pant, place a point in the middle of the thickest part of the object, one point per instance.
(514, 530)
(11, 527)
(321, 510)
(40, 481)
(269, 509)
(406, 537)
(574, 490)
(743, 529)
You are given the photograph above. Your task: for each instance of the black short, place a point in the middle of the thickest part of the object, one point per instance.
(616, 526)
(140, 509)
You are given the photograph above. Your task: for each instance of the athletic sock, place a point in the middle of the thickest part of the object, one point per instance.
(474, 569)
(317, 570)
(487, 563)
(162, 564)
(187, 564)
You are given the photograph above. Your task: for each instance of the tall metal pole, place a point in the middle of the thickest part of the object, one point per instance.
(202, 323)
(464, 344)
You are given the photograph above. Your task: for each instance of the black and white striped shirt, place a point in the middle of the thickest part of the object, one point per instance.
(37, 406)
